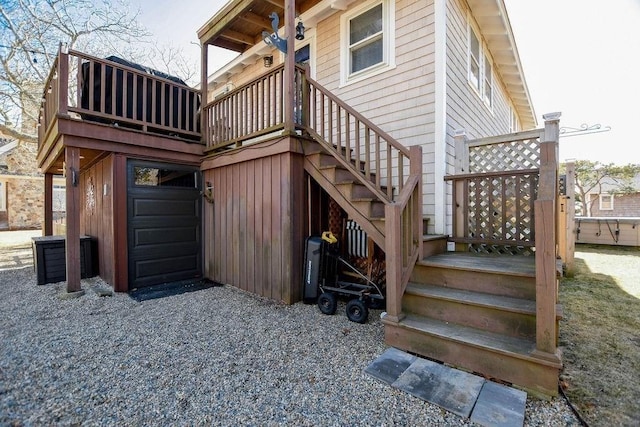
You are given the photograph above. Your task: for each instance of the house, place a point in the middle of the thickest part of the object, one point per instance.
(21, 187)
(411, 119)
(608, 201)
(614, 216)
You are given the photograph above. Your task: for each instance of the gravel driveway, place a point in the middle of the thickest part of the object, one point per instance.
(218, 356)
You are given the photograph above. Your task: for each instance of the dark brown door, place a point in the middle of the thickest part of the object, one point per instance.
(164, 228)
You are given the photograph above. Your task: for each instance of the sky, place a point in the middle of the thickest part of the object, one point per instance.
(580, 57)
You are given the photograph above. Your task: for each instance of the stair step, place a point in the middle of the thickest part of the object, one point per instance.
(495, 355)
(505, 315)
(504, 264)
(512, 276)
(514, 305)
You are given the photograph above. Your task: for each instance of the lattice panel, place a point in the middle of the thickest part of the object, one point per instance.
(500, 210)
(515, 155)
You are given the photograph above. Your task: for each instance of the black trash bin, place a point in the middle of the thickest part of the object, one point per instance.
(49, 258)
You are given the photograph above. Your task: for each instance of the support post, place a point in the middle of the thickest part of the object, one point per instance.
(289, 66)
(415, 169)
(570, 231)
(393, 251)
(545, 239)
(47, 227)
(204, 87)
(72, 243)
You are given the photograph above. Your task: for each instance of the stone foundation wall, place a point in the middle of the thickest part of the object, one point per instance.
(25, 203)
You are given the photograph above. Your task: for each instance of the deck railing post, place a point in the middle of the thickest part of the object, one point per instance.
(546, 250)
(393, 251)
(462, 152)
(289, 68)
(415, 169)
(570, 236)
(63, 80)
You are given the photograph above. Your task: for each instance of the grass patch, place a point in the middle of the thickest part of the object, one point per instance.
(600, 335)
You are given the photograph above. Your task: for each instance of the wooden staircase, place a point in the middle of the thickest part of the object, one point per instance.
(477, 312)
(495, 315)
(360, 203)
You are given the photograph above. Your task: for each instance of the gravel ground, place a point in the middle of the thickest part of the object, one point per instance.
(213, 357)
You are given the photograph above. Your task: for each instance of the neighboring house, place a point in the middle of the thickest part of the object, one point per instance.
(21, 186)
(609, 203)
(367, 127)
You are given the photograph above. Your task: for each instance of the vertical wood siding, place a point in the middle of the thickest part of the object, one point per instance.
(96, 220)
(254, 229)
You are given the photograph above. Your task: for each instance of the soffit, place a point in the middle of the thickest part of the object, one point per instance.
(239, 24)
(491, 17)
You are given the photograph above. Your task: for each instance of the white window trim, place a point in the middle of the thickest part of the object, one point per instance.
(484, 55)
(514, 120)
(389, 42)
(600, 201)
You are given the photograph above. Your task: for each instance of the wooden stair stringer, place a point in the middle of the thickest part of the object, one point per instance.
(363, 220)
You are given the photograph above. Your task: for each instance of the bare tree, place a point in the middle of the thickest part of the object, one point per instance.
(31, 32)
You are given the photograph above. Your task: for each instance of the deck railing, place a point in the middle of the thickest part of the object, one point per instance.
(252, 110)
(494, 190)
(89, 88)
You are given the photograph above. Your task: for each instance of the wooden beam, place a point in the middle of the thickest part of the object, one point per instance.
(237, 36)
(277, 3)
(72, 244)
(257, 20)
(222, 20)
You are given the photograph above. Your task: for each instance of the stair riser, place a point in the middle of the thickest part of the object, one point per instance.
(337, 174)
(537, 378)
(490, 283)
(369, 208)
(355, 191)
(322, 159)
(433, 246)
(486, 318)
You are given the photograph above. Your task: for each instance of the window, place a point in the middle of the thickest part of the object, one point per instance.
(480, 74)
(606, 202)
(155, 177)
(367, 40)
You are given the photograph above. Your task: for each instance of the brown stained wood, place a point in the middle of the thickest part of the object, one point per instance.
(48, 205)
(250, 229)
(497, 356)
(546, 279)
(278, 182)
(483, 278)
(120, 247)
(236, 244)
(72, 243)
(63, 82)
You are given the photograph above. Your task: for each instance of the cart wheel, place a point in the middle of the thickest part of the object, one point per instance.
(327, 303)
(377, 304)
(357, 311)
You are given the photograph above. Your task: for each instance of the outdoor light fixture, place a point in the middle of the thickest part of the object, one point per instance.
(268, 61)
(299, 31)
(208, 192)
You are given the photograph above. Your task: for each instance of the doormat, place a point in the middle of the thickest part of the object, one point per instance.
(171, 289)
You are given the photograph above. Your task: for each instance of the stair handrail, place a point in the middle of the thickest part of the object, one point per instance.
(403, 237)
(315, 122)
